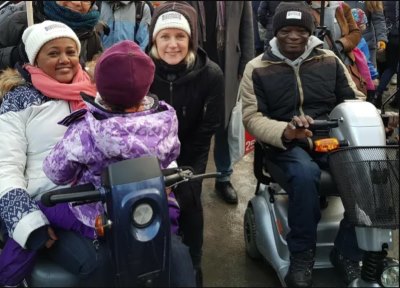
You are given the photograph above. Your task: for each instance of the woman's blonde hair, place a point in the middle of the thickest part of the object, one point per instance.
(190, 58)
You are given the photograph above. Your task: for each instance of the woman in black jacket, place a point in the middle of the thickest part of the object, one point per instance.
(188, 80)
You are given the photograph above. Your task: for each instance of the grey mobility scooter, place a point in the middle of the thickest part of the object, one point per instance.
(364, 172)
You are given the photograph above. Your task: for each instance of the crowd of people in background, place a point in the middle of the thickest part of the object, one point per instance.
(199, 52)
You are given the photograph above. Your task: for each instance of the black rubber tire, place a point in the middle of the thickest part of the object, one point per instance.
(250, 234)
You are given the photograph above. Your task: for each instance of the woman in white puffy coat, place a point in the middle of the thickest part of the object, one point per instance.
(37, 96)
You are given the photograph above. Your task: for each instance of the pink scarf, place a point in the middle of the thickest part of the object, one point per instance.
(70, 92)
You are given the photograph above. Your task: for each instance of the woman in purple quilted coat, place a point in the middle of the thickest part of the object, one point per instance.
(120, 123)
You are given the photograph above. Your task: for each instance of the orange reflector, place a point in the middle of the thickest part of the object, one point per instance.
(279, 226)
(99, 225)
(326, 144)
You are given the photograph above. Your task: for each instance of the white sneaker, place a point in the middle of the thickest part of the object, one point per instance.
(393, 81)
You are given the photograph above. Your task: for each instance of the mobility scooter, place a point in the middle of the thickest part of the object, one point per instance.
(364, 172)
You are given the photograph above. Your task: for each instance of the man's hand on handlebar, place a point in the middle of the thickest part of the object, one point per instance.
(297, 128)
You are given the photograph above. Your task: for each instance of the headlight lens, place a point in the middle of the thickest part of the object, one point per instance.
(142, 215)
(390, 276)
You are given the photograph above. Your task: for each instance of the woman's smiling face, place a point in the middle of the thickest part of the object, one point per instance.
(59, 59)
(172, 45)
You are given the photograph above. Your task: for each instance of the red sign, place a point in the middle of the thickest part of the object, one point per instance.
(249, 142)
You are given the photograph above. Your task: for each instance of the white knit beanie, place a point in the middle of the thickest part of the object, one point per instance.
(171, 19)
(37, 35)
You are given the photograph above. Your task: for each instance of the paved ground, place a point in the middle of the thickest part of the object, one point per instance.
(225, 263)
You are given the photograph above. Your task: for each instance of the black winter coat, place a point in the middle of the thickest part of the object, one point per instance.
(197, 97)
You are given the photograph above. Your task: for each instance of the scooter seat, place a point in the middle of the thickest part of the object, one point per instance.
(261, 167)
(47, 271)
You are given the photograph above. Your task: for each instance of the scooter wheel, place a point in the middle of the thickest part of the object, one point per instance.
(250, 234)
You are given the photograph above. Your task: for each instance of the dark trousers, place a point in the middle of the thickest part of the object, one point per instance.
(222, 158)
(188, 195)
(191, 222)
(182, 272)
(391, 66)
(302, 172)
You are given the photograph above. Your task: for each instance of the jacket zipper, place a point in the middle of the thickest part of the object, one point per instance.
(299, 90)
(184, 111)
(171, 101)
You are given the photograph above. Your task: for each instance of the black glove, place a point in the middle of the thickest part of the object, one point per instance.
(18, 54)
(102, 28)
(37, 239)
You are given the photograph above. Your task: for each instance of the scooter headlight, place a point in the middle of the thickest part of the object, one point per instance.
(142, 215)
(390, 274)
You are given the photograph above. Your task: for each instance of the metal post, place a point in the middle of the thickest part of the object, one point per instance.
(29, 12)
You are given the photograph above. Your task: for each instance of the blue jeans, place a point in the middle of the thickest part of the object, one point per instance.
(303, 172)
(222, 157)
(391, 66)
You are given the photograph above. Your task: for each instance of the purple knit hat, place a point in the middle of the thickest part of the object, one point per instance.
(123, 74)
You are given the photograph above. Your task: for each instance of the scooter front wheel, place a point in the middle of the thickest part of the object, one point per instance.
(250, 234)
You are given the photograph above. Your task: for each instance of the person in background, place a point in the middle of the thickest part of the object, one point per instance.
(376, 33)
(258, 42)
(194, 85)
(80, 16)
(34, 101)
(362, 21)
(392, 52)
(344, 32)
(361, 54)
(294, 82)
(226, 34)
(122, 19)
(265, 12)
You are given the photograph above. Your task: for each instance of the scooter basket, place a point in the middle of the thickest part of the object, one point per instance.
(367, 179)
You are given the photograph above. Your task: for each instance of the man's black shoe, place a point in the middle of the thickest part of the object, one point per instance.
(300, 269)
(348, 269)
(226, 191)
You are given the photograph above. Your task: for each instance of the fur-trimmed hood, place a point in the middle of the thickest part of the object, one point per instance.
(10, 79)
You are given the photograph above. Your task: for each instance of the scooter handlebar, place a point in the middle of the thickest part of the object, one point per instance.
(87, 192)
(184, 174)
(322, 125)
(54, 197)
